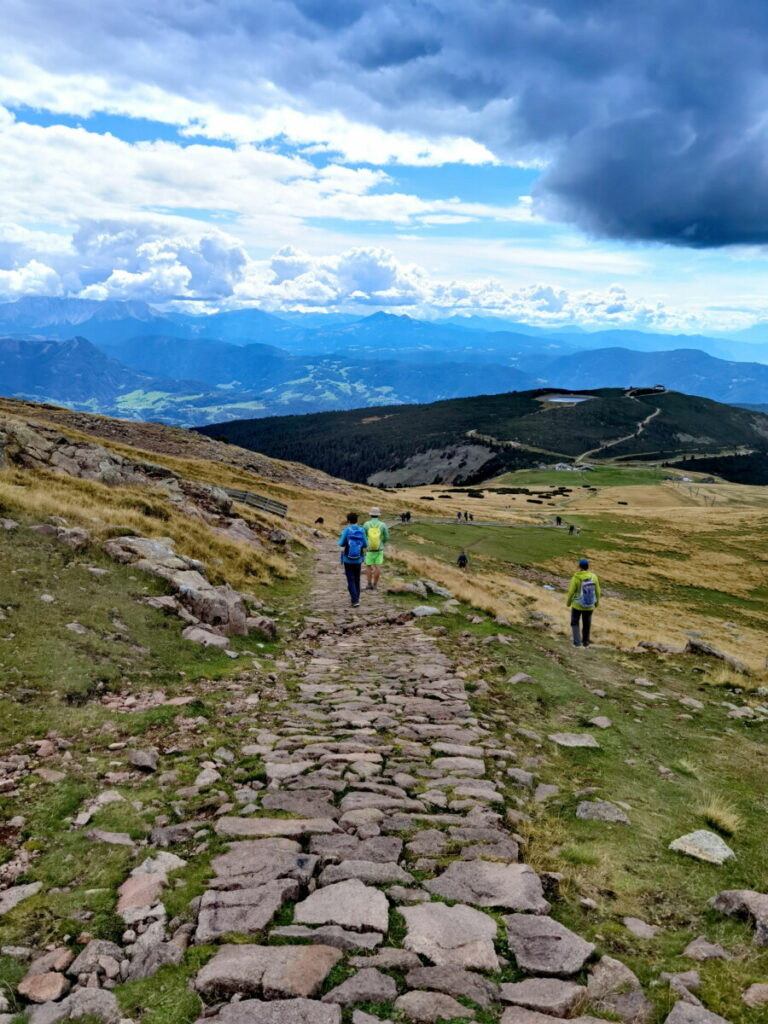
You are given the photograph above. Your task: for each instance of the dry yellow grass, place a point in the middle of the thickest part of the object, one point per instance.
(102, 509)
(619, 623)
(683, 542)
(720, 814)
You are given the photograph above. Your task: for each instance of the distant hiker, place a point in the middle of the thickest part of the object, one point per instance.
(458, 517)
(319, 521)
(466, 517)
(407, 517)
(570, 530)
(402, 517)
(462, 561)
(583, 598)
(471, 518)
(353, 545)
(558, 520)
(377, 535)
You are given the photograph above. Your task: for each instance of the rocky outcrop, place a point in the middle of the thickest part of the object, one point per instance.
(221, 609)
(695, 646)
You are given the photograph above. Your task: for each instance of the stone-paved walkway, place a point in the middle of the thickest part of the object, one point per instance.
(394, 855)
(375, 877)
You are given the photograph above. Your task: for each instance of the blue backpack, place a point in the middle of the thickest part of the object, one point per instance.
(588, 595)
(355, 543)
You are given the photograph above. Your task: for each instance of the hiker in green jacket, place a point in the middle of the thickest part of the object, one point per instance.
(583, 598)
(377, 535)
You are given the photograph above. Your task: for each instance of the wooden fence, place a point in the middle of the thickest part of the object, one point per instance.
(277, 508)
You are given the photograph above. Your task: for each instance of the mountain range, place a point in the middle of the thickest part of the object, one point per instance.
(129, 359)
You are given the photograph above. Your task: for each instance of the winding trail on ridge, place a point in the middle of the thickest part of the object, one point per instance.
(611, 444)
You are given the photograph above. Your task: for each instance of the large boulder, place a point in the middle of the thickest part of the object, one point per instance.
(220, 607)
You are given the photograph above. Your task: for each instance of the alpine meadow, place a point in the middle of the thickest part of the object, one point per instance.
(383, 512)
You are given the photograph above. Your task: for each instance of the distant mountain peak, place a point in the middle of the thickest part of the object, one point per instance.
(382, 317)
(51, 309)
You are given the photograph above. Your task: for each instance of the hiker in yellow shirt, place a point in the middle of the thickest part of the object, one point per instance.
(583, 598)
(377, 535)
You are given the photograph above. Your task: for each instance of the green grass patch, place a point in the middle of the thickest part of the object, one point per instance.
(599, 476)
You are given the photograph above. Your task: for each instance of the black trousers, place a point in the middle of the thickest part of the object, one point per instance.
(583, 618)
(352, 572)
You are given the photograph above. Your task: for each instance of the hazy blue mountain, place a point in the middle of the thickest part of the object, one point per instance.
(237, 326)
(317, 361)
(73, 371)
(40, 311)
(197, 381)
(215, 362)
(99, 322)
(686, 370)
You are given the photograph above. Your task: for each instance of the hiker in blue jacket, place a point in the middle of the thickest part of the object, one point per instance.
(353, 544)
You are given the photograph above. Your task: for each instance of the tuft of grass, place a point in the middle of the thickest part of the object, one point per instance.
(572, 854)
(721, 814)
(165, 998)
(685, 767)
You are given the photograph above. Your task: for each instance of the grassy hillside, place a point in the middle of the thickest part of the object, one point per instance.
(519, 428)
(76, 702)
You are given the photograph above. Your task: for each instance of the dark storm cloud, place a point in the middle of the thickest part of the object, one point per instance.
(651, 115)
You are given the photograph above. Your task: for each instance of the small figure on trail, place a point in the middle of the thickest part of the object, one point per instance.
(458, 517)
(471, 518)
(319, 521)
(466, 517)
(377, 535)
(583, 598)
(407, 517)
(462, 561)
(558, 520)
(353, 544)
(570, 530)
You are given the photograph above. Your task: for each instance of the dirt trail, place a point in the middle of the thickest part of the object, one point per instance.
(628, 437)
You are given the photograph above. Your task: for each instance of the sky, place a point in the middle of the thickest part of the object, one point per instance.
(585, 162)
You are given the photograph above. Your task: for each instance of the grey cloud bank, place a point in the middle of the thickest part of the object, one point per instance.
(649, 116)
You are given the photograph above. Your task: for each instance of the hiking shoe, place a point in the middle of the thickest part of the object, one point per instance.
(355, 604)
(575, 644)
(370, 587)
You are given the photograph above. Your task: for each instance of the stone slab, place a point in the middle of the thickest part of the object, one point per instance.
(351, 904)
(256, 827)
(460, 936)
(489, 884)
(544, 946)
(272, 971)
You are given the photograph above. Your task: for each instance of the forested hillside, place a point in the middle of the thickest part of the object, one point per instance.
(519, 428)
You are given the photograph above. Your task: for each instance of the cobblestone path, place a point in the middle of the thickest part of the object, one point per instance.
(401, 875)
(372, 875)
